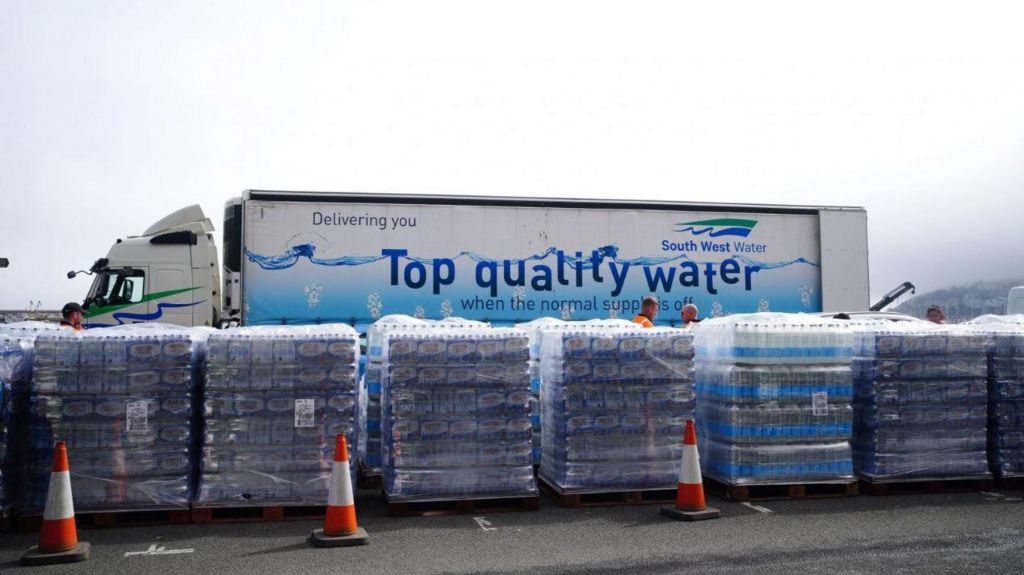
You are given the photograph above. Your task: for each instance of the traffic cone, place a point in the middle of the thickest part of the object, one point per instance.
(58, 538)
(340, 529)
(690, 492)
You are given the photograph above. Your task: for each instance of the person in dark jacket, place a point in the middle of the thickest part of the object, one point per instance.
(73, 315)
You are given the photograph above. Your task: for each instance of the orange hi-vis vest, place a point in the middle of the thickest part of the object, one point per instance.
(643, 320)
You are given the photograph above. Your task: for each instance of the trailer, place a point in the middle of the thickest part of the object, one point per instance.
(305, 257)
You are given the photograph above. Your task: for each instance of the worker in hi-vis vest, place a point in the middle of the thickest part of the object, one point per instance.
(648, 311)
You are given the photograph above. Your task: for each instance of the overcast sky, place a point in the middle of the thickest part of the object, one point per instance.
(115, 113)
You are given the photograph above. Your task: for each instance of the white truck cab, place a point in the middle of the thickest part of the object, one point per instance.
(168, 274)
(1015, 301)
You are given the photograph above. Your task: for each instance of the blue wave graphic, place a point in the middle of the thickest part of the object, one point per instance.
(121, 316)
(308, 251)
(710, 230)
(610, 252)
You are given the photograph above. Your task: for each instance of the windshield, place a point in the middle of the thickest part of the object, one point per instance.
(117, 288)
(99, 286)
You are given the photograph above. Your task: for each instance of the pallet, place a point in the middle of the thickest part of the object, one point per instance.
(369, 479)
(768, 492)
(437, 507)
(107, 519)
(924, 486)
(605, 498)
(1015, 483)
(257, 513)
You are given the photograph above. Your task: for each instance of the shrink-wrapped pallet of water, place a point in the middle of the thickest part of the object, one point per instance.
(370, 448)
(122, 400)
(17, 341)
(615, 400)
(1005, 392)
(773, 399)
(920, 401)
(456, 414)
(275, 400)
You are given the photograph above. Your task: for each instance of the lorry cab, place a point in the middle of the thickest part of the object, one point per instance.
(1015, 301)
(169, 274)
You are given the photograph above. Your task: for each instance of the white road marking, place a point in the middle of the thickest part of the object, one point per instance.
(757, 508)
(154, 550)
(996, 496)
(484, 524)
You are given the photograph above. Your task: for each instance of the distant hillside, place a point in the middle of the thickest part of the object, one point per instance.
(962, 303)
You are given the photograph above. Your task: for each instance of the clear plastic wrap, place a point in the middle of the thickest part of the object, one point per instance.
(768, 422)
(122, 399)
(774, 393)
(275, 399)
(756, 384)
(11, 356)
(936, 367)
(1006, 392)
(456, 409)
(614, 400)
(959, 461)
(370, 447)
(775, 338)
(16, 353)
(921, 401)
(745, 464)
(533, 329)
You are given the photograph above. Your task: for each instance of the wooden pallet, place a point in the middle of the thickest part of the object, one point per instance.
(459, 506)
(105, 519)
(780, 491)
(257, 513)
(605, 498)
(1016, 483)
(921, 486)
(369, 479)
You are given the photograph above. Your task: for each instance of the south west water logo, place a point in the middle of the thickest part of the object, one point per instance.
(718, 228)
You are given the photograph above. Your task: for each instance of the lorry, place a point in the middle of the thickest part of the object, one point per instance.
(314, 257)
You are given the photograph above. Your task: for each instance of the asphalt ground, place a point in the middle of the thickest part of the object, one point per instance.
(974, 532)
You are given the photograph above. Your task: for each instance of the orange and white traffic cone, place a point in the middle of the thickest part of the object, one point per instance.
(690, 504)
(58, 538)
(340, 528)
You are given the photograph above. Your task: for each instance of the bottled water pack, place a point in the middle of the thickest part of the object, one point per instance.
(1006, 392)
(16, 354)
(778, 462)
(614, 402)
(774, 338)
(920, 407)
(456, 413)
(276, 398)
(122, 399)
(774, 393)
(370, 455)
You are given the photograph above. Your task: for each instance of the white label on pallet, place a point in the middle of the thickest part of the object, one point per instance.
(138, 417)
(819, 403)
(304, 412)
